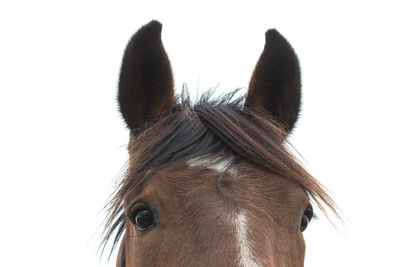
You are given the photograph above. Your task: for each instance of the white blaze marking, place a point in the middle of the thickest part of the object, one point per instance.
(246, 257)
(218, 165)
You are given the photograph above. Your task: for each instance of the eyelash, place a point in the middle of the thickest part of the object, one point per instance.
(311, 212)
(314, 216)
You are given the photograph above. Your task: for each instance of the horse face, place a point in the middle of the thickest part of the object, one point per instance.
(211, 209)
(208, 217)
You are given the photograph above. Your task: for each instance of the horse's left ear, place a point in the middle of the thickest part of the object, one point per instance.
(275, 84)
(145, 83)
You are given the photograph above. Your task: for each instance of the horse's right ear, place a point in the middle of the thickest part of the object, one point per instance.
(145, 82)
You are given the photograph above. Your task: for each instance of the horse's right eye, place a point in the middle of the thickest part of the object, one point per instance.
(306, 218)
(143, 218)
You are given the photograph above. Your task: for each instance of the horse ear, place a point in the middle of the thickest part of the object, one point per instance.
(145, 89)
(275, 84)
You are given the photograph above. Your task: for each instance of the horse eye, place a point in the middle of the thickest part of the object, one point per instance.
(143, 219)
(306, 218)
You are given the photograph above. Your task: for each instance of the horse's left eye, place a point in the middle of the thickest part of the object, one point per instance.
(306, 218)
(143, 218)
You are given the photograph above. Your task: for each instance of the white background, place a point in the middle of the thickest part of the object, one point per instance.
(63, 143)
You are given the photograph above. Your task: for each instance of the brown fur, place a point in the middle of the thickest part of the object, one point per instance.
(197, 207)
(195, 229)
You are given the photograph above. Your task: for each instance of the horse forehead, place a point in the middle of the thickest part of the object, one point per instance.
(208, 179)
(248, 176)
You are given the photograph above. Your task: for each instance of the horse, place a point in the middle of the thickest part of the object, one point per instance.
(211, 182)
